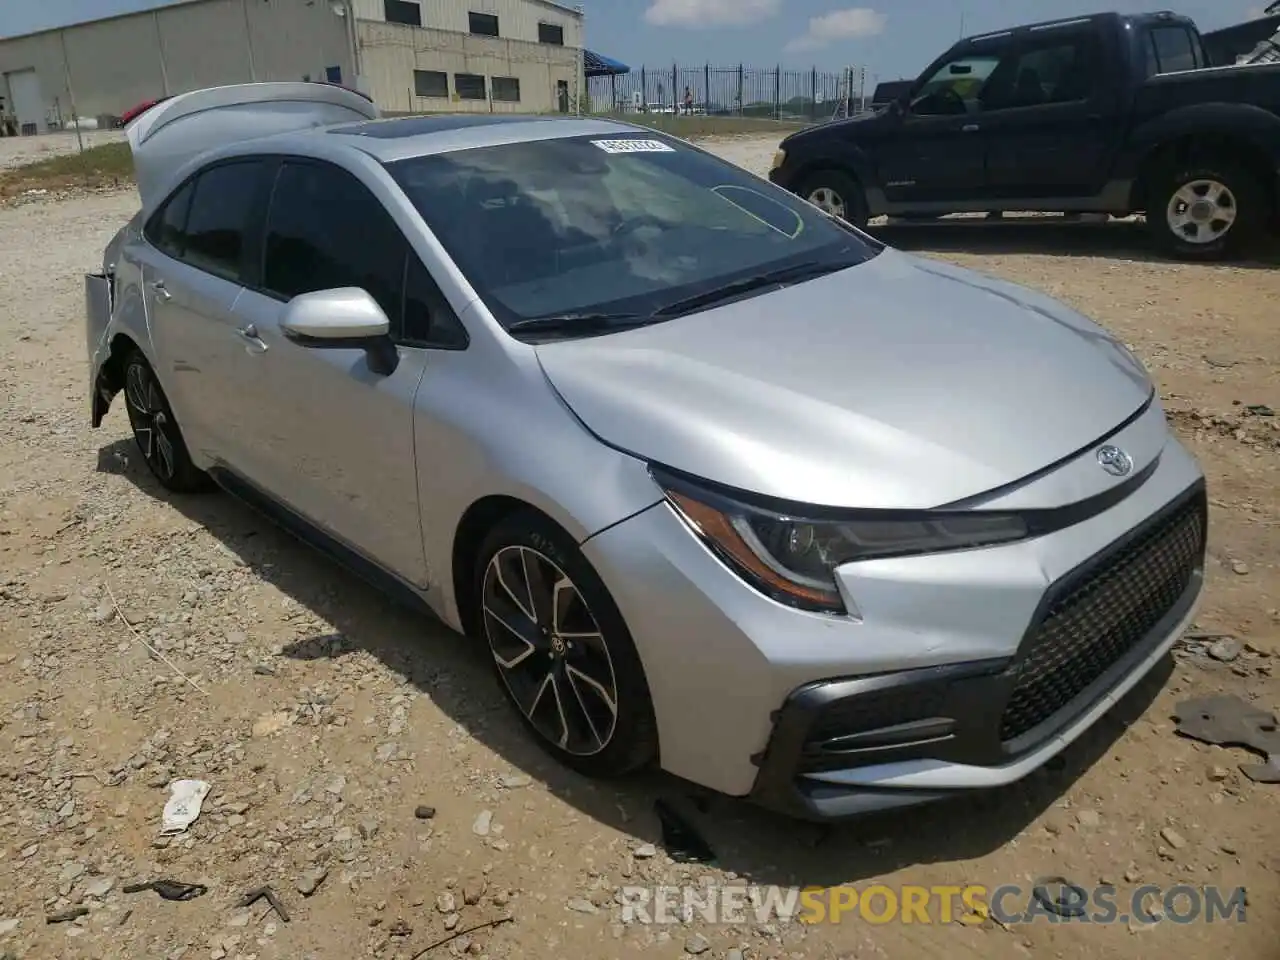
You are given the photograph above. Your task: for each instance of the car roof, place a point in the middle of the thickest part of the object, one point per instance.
(401, 138)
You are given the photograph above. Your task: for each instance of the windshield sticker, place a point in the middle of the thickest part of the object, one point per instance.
(633, 146)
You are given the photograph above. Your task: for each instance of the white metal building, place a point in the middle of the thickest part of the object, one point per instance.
(419, 56)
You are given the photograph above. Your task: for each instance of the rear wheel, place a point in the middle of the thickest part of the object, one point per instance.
(561, 650)
(838, 194)
(1206, 211)
(155, 429)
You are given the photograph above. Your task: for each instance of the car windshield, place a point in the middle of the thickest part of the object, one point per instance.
(590, 227)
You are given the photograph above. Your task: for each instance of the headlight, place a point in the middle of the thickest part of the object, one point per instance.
(779, 159)
(793, 558)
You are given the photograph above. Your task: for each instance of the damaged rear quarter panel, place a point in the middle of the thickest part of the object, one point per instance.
(114, 311)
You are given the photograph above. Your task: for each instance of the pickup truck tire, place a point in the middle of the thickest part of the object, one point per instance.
(1206, 211)
(838, 194)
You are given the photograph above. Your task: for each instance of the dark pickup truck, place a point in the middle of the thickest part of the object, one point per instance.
(1109, 113)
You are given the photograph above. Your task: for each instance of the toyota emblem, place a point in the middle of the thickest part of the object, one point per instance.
(1115, 461)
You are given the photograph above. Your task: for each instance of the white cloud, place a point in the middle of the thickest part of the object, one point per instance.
(839, 25)
(710, 13)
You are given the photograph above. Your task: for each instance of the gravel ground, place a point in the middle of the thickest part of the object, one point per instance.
(325, 716)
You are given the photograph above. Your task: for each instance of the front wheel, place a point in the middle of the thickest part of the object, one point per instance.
(561, 650)
(837, 194)
(1206, 211)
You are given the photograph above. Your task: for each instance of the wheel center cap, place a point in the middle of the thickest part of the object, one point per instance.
(557, 646)
(1202, 210)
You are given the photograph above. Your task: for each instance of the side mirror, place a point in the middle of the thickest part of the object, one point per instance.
(344, 318)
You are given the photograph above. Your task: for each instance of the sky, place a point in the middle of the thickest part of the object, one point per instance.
(889, 40)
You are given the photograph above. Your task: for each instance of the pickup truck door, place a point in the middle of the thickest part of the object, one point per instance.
(932, 158)
(1052, 126)
(935, 153)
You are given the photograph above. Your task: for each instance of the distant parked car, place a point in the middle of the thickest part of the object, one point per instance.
(134, 112)
(1105, 114)
(718, 481)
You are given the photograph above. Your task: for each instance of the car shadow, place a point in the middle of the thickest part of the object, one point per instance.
(756, 845)
(1118, 239)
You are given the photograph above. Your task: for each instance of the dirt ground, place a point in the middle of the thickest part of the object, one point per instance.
(325, 716)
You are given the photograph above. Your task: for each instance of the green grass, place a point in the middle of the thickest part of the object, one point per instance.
(106, 165)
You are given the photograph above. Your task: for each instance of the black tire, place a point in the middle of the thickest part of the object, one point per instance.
(846, 189)
(603, 654)
(1244, 195)
(156, 431)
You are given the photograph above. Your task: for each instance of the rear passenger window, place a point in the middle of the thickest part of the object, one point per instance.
(221, 211)
(326, 230)
(1170, 50)
(167, 228)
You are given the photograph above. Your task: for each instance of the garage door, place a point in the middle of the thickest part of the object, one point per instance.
(28, 102)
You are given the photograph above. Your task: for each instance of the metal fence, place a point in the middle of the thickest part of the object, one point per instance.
(735, 91)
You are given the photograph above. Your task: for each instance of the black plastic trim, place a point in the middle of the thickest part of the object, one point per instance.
(305, 530)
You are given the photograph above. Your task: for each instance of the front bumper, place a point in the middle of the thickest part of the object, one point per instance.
(844, 747)
(964, 670)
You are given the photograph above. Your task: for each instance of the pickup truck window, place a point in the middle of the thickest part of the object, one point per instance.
(1061, 71)
(955, 86)
(1170, 50)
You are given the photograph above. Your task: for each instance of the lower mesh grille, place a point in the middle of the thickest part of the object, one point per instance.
(1087, 630)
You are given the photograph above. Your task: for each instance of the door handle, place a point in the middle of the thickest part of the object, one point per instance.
(970, 128)
(161, 292)
(254, 343)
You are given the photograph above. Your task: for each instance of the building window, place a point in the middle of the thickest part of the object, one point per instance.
(430, 83)
(402, 11)
(551, 33)
(483, 24)
(470, 86)
(506, 89)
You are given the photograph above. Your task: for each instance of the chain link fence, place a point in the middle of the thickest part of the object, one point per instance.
(735, 91)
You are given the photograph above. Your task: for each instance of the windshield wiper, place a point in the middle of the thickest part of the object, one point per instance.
(579, 323)
(758, 281)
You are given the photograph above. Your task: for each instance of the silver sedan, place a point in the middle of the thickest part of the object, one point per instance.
(722, 483)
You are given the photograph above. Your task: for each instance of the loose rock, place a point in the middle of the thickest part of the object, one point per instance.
(696, 944)
(310, 881)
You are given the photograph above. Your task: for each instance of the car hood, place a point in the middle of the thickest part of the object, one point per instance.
(899, 383)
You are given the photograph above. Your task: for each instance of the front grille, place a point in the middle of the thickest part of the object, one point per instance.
(1103, 616)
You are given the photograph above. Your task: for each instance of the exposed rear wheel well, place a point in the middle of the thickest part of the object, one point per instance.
(1199, 149)
(111, 376)
(113, 370)
(481, 517)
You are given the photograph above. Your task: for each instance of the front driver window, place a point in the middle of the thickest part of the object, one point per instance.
(955, 87)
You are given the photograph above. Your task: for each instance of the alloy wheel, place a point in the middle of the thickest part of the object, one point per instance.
(828, 201)
(550, 651)
(1201, 211)
(150, 420)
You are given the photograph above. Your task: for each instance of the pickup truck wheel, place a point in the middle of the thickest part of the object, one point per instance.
(1206, 212)
(837, 194)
